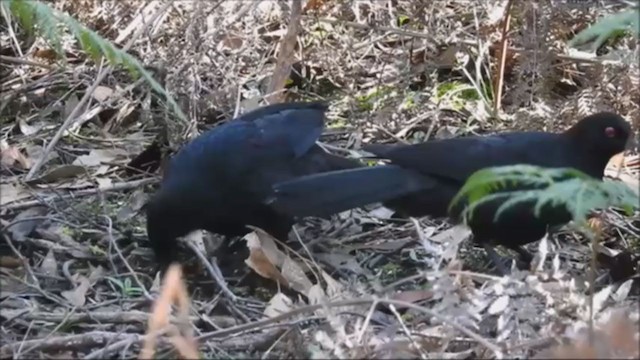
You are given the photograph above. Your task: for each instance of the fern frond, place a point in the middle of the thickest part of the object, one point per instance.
(38, 17)
(576, 191)
(607, 27)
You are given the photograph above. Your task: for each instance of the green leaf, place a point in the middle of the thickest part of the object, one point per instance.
(402, 20)
(577, 192)
(608, 27)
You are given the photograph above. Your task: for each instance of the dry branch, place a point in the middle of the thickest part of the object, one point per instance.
(285, 55)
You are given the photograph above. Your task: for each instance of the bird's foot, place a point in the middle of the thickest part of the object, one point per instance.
(503, 264)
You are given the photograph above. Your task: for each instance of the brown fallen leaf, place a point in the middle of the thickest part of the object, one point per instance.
(48, 54)
(10, 155)
(12, 192)
(27, 129)
(69, 106)
(261, 264)
(99, 156)
(59, 173)
(10, 262)
(102, 93)
(289, 269)
(49, 265)
(77, 296)
(278, 305)
(28, 222)
(104, 182)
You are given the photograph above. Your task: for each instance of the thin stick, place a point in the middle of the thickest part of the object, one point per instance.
(497, 101)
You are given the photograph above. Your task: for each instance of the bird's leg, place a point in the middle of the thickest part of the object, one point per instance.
(500, 262)
(525, 256)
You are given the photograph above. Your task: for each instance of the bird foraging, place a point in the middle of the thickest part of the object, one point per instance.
(220, 180)
(423, 178)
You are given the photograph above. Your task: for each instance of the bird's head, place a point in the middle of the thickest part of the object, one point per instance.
(605, 134)
(166, 221)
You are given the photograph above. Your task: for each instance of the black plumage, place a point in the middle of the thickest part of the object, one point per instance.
(220, 180)
(423, 178)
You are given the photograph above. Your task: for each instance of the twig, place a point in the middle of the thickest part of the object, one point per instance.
(70, 342)
(128, 185)
(367, 320)
(216, 275)
(497, 101)
(125, 317)
(19, 61)
(407, 332)
(285, 55)
(113, 243)
(259, 324)
(88, 94)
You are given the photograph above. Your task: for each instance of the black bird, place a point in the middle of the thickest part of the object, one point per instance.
(423, 178)
(219, 181)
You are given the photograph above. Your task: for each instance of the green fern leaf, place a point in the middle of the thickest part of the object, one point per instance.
(577, 192)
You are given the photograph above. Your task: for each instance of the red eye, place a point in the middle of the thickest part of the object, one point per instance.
(610, 132)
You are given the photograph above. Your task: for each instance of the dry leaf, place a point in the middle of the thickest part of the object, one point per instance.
(20, 230)
(296, 276)
(56, 234)
(261, 264)
(289, 269)
(48, 54)
(617, 339)
(342, 261)
(455, 234)
(196, 238)
(49, 265)
(102, 93)
(12, 192)
(99, 156)
(37, 151)
(314, 5)
(9, 155)
(268, 245)
(10, 262)
(230, 41)
(131, 209)
(59, 173)
(104, 183)
(316, 295)
(77, 296)
(70, 105)
(499, 305)
(381, 212)
(412, 296)
(334, 288)
(97, 273)
(27, 129)
(600, 298)
(278, 305)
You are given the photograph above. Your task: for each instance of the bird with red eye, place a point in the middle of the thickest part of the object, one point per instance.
(423, 178)
(610, 132)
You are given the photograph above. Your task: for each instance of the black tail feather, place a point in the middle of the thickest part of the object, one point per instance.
(336, 191)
